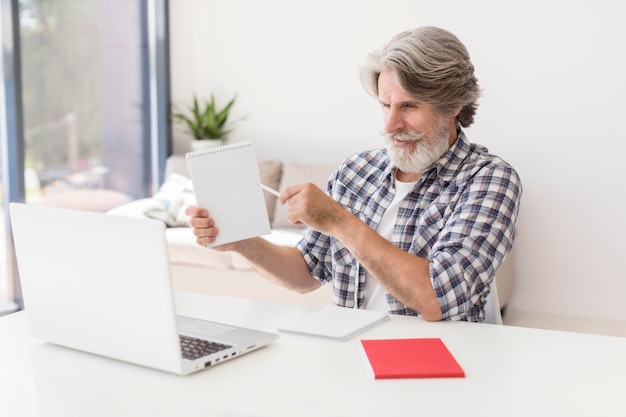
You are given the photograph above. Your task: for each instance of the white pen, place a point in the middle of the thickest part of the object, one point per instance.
(270, 190)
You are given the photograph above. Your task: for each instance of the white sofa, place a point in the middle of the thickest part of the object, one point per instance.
(197, 269)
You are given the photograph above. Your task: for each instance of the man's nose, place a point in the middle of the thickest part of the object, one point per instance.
(394, 121)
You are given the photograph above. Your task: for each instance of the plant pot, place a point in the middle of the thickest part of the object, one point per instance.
(197, 144)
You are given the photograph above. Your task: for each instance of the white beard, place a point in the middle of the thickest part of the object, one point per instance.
(427, 148)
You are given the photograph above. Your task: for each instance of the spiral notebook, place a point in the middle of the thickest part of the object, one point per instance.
(226, 182)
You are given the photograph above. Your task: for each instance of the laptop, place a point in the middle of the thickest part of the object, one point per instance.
(100, 283)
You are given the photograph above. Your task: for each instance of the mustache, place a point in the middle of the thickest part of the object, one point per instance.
(405, 135)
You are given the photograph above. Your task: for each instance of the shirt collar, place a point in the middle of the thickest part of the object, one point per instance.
(449, 163)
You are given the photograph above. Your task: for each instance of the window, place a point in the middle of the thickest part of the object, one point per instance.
(91, 130)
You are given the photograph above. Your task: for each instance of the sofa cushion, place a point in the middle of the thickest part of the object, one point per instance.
(176, 164)
(174, 196)
(296, 173)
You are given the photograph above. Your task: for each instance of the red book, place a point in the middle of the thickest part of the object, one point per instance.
(411, 358)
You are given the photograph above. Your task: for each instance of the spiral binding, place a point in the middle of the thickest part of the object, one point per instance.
(217, 149)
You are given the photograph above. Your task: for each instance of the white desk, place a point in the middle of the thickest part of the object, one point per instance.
(509, 371)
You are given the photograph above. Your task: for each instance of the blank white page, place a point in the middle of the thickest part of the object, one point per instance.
(335, 322)
(227, 183)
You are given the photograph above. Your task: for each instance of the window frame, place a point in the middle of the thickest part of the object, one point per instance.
(156, 75)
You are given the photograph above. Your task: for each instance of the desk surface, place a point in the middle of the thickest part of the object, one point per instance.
(509, 371)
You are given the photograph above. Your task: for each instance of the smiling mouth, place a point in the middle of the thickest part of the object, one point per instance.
(403, 142)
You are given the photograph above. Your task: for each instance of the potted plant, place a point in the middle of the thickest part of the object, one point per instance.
(205, 123)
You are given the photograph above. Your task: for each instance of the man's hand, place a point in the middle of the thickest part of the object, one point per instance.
(311, 206)
(203, 227)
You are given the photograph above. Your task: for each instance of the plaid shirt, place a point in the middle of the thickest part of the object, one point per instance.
(461, 216)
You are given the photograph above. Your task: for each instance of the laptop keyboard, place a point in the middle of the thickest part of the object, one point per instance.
(194, 348)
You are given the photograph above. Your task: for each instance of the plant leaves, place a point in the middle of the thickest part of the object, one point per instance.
(204, 121)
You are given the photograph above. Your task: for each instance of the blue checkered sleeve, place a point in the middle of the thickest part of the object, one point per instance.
(477, 235)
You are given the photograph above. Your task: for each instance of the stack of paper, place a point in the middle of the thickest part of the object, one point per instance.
(336, 322)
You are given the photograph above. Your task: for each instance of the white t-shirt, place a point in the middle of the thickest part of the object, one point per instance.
(375, 294)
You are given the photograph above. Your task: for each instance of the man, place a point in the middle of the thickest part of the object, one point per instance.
(419, 227)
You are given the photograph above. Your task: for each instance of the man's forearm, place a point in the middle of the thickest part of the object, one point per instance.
(281, 264)
(403, 275)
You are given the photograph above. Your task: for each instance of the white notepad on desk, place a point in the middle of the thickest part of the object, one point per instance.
(227, 183)
(339, 323)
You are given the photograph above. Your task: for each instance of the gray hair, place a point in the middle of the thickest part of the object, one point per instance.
(433, 66)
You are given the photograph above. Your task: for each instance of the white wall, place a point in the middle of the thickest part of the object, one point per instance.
(554, 80)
